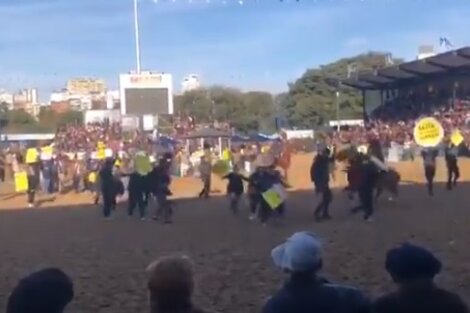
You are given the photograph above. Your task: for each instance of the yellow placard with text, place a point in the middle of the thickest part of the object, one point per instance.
(21, 181)
(428, 132)
(31, 156)
(456, 138)
(273, 198)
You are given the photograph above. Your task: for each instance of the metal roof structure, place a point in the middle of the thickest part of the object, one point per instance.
(456, 62)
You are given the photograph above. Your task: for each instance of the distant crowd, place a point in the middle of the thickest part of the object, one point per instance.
(171, 284)
(395, 122)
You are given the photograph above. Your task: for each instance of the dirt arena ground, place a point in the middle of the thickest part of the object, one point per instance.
(107, 258)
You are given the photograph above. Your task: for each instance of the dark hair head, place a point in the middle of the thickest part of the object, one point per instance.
(409, 262)
(48, 290)
(170, 284)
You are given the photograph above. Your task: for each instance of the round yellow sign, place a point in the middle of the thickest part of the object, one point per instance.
(428, 132)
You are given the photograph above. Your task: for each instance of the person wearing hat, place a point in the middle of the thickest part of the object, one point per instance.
(45, 291)
(267, 178)
(413, 269)
(301, 256)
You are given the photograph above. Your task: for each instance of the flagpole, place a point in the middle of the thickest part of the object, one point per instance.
(137, 38)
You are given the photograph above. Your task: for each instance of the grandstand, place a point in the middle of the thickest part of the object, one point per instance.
(443, 78)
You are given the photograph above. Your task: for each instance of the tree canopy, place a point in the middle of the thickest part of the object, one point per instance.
(311, 99)
(245, 111)
(18, 120)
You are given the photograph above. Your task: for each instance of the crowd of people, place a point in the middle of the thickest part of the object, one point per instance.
(171, 284)
(395, 122)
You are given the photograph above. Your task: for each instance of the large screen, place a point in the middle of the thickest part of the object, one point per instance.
(141, 101)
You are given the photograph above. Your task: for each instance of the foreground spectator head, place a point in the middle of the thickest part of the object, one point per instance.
(171, 284)
(409, 263)
(413, 269)
(301, 253)
(304, 291)
(45, 291)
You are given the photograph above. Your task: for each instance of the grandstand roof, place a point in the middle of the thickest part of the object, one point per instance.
(448, 63)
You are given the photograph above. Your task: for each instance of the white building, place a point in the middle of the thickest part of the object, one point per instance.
(190, 82)
(6, 97)
(425, 51)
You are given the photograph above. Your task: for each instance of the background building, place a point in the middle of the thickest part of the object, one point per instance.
(190, 82)
(425, 51)
(146, 95)
(86, 86)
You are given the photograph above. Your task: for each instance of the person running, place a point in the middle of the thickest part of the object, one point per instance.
(368, 173)
(429, 160)
(452, 162)
(235, 187)
(320, 176)
(160, 181)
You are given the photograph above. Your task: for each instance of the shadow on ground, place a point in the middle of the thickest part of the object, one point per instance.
(107, 258)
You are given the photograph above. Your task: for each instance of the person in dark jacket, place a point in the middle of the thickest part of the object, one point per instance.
(109, 188)
(45, 291)
(235, 187)
(429, 160)
(453, 172)
(160, 181)
(305, 291)
(254, 196)
(368, 177)
(413, 268)
(320, 176)
(138, 187)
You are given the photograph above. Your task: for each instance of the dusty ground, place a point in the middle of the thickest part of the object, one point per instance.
(234, 271)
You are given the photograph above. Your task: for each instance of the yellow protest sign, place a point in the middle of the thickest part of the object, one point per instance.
(221, 167)
(46, 153)
(143, 166)
(428, 132)
(31, 156)
(272, 198)
(456, 138)
(21, 181)
(227, 155)
(101, 154)
(92, 177)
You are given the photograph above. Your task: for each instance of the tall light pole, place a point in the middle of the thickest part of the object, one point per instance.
(337, 110)
(137, 38)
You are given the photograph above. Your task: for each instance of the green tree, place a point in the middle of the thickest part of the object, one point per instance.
(245, 111)
(70, 117)
(311, 100)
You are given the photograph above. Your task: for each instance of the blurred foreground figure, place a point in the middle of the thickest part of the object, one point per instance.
(305, 291)
(46, 291)
(171, 286)
(413, 269)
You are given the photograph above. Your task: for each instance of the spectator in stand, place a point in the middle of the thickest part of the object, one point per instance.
(171, 286)
(413, 268)
(305, 291)
(45, 291)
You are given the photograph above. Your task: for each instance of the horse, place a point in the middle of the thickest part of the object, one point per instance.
(387, 179)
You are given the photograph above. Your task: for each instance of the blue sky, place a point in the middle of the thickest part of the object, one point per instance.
(262, 44)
